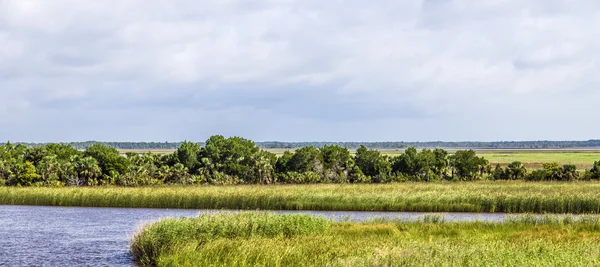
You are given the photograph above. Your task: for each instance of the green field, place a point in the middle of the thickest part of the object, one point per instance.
(534, 160)
(262, 239)
(506, 196)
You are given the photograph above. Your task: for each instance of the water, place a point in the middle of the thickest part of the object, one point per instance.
(75, 236)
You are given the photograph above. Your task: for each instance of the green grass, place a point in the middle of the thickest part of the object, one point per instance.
(518, 242)
(507, 196)
(534, 160)
(162, 236)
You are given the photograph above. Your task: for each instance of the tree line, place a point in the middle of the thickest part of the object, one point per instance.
(355, 145)
(236, 160)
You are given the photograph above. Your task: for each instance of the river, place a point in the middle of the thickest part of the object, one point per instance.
(75, 236)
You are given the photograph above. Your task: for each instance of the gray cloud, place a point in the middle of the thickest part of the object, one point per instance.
(298, 70)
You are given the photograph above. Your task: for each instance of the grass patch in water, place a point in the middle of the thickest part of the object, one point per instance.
(520, 241)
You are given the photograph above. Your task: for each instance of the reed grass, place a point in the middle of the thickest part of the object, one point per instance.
(506, 196)
(162, 236)
(520, 241)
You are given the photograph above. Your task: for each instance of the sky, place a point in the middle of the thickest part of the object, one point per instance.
(299, 70)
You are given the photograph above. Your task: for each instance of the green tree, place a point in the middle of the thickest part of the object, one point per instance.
(499, 173)
(234, 156)
(282, 162)
(466, 165)
(187, 154)
(25, 174)
(337, 162)
(48, 168)
(569, 172)
(408, 162)
(264, 165)
(552, 171)
(595, 170)
(516, 170)
(109, 159)
(306, 159)
(373, 164)
(87, 170)
(440, 164)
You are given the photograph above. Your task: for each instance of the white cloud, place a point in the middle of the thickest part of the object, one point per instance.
(402, 69)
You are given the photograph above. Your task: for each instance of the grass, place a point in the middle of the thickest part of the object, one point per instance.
(549, 241)
(534, 160)
(162, 236)
(506, 196)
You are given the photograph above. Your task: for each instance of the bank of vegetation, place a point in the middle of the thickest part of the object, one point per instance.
(497, 196)
(237, 160)
(263, 239)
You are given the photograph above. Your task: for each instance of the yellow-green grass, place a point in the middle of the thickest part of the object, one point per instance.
(519, 242)
(505, 196)
(161, 237)
(534, 160)
(153, 151)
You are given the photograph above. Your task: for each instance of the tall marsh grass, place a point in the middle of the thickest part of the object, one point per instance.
(509, 196)
(163, 236)
(520, 241)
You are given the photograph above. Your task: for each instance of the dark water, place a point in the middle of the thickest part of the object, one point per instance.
(73, 236)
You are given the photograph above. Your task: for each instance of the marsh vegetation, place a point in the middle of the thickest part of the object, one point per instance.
(496, 196)
(262, 239)
(235, 160)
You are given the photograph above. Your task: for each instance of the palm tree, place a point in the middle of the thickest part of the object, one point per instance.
(88, 170)
(264, 168)
(48, 168)
(516, 170)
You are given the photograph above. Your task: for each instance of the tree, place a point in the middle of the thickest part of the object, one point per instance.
(306, 159)
(499, 173)
(407, 163)
(87, 170)
(423, 165)
(109, 159)
(440, 164)
(552, 171)
(595, 171)
(569, 172)
(466, 165)
(372, 163)
(25, 174)
(264, 163)
(187, 154)
(63, 152)
(282, 162)
(337, 162)
(48, 168)
(233, 156)
(516, 170)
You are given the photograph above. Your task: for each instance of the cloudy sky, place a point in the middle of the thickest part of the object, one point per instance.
(299, 70)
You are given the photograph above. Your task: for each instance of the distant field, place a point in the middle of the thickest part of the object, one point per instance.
(153, 151)
(532, 159)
